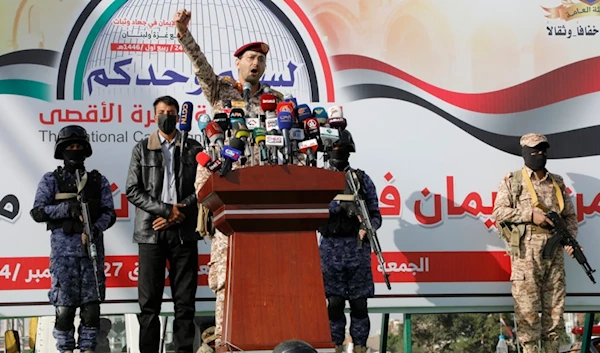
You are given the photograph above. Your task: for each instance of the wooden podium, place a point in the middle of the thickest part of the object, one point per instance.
(274, 290)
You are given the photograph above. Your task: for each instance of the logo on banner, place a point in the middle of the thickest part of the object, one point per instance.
(583, 11)
(140, 55)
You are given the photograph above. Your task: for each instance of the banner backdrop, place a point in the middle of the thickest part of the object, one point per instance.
(436, 95)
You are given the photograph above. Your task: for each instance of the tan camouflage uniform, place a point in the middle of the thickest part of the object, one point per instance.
(217, 90)
(537, 284)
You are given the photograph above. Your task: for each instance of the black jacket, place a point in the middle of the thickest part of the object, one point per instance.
(145, 183)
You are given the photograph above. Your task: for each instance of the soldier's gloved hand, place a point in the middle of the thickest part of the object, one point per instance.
(74, 210)
(349, 208)
(334, 207)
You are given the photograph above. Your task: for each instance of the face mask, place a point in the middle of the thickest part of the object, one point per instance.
(339, 164)
(536, 161)
(167, 123)
(339, 159)
(73, 159)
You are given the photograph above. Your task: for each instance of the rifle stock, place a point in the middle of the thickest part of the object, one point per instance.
(561, 236)
(90, 245)
(360, 208)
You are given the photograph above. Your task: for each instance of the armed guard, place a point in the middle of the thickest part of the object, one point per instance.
(538, 284)
(346, 255)
(72, 272)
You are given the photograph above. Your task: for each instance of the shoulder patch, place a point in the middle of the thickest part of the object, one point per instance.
(228, 80)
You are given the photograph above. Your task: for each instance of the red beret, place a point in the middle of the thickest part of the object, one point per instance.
(254, 46)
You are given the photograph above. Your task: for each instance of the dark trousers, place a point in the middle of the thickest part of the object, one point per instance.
(183, 275)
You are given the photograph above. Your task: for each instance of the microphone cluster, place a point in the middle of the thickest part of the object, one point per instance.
(287, 133)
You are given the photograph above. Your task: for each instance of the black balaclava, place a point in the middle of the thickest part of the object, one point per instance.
(167, 123)
(74, 159)
(339, 159)
(537, 161)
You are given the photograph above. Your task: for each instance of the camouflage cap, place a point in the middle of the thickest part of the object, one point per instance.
(533, 139)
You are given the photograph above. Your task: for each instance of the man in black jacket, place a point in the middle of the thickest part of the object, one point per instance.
(160, 184)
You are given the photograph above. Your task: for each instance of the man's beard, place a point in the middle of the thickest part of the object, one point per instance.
(252, 79)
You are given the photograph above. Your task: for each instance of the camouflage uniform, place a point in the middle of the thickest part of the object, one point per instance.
(537, 284)
(347, 272)
(217, 90)
(73, 282)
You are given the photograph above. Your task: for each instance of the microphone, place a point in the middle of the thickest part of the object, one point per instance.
(231, 154)
(297, 134)
(303, 112)
(329, 136)
(321, 115)
(274, 140)
(203, 120)
(227, 106)
(309, 148)
(285, 122)
(289, 98)
(260, 136)
(285, 107)
(252, 121)
(272, 123)
(215, 134)
(311, 125)
(337, 123)
(237, 115)
(336, 118)
(222, 119)
(246, 91)
(206, 161)
(268, 102)
(241, 132)
(335, 111)
(185, 122)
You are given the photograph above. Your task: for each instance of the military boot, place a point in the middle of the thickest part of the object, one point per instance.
(359, 349)
(550, 346)
(339, 349)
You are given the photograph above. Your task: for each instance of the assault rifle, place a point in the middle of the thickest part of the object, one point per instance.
(88, 243)
(359, 208)
(561, 236)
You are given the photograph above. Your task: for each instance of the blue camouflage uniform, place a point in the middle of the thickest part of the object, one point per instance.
(73, 281)
(346, 268)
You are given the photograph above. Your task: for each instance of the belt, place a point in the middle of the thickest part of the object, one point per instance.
(539, 230)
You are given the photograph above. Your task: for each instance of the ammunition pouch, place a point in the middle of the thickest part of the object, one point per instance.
(512, 233)
(205, 226)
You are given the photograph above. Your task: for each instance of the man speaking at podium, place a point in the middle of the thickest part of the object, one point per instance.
(347, 272)
(251, 63)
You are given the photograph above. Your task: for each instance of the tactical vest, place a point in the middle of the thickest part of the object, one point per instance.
(340, 224)
(512, 231)
(68, 187)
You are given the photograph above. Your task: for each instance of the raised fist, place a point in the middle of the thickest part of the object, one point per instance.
(182, 19)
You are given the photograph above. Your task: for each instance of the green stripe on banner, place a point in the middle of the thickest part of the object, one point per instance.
(89, 43)
(27, 88)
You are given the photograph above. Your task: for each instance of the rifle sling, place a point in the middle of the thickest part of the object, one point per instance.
(534, 198)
